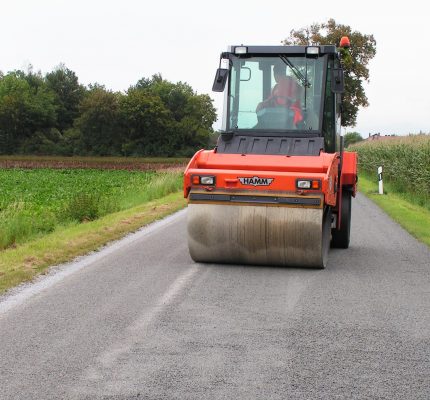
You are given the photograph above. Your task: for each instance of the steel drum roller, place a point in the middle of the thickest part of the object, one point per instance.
(258, 234)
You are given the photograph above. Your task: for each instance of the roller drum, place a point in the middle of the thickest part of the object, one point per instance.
(259, 235)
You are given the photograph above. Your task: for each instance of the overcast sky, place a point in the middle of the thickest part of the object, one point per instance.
(115, 43)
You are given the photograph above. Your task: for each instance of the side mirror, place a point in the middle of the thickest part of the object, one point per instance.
(337, 80)
(220, 80)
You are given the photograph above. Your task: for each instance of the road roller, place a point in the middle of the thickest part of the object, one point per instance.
(277, 187)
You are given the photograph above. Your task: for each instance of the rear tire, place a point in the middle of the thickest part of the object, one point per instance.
(325, 245)
(340, 238)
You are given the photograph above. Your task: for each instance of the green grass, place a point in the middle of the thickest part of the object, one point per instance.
(399, 206)
(64, 243)
(33, 202)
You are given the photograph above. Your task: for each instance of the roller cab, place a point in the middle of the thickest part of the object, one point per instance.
(277, 188)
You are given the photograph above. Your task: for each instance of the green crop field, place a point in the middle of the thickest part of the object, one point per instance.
(33, 202)
(405, 162)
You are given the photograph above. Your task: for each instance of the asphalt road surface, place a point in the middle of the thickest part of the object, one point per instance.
(140, 320)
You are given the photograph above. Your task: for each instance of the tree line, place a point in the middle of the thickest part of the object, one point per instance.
(56, 115)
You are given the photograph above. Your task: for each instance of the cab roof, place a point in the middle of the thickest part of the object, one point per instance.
(323, 49)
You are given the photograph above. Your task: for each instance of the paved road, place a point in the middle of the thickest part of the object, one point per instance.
(140, 320)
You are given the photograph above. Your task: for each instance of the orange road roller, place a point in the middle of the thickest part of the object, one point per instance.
(277, 188)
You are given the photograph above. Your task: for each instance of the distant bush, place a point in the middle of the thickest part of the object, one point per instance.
(352, 137)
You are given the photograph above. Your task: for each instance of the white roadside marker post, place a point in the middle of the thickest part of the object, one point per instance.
(381, 186)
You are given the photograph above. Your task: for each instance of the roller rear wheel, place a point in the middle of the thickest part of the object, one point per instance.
(340, 238)
(325, 246)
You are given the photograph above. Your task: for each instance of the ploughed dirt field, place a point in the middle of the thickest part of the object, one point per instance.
(109, 163)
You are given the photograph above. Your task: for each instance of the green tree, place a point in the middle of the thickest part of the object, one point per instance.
(147, 122)
(195, 128)
(24, 109)
(34, 79)
(363, 49)
(147, 83)
(175, 96)
(98, 125)
(69, 93)
(351, 138)
(189, 117)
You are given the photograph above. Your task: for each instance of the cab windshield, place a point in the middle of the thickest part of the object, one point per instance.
(275, 93)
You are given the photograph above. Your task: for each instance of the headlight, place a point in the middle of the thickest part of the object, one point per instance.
(207, 180)
(240, 50)
(203, 180)
(313, 50)
(304, 184)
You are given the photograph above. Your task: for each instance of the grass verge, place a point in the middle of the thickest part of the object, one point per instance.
(24, 262)
(414, 218)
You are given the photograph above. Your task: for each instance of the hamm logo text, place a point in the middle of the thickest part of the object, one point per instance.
(256, 181)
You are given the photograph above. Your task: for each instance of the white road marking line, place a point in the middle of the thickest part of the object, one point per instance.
(134, 331)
